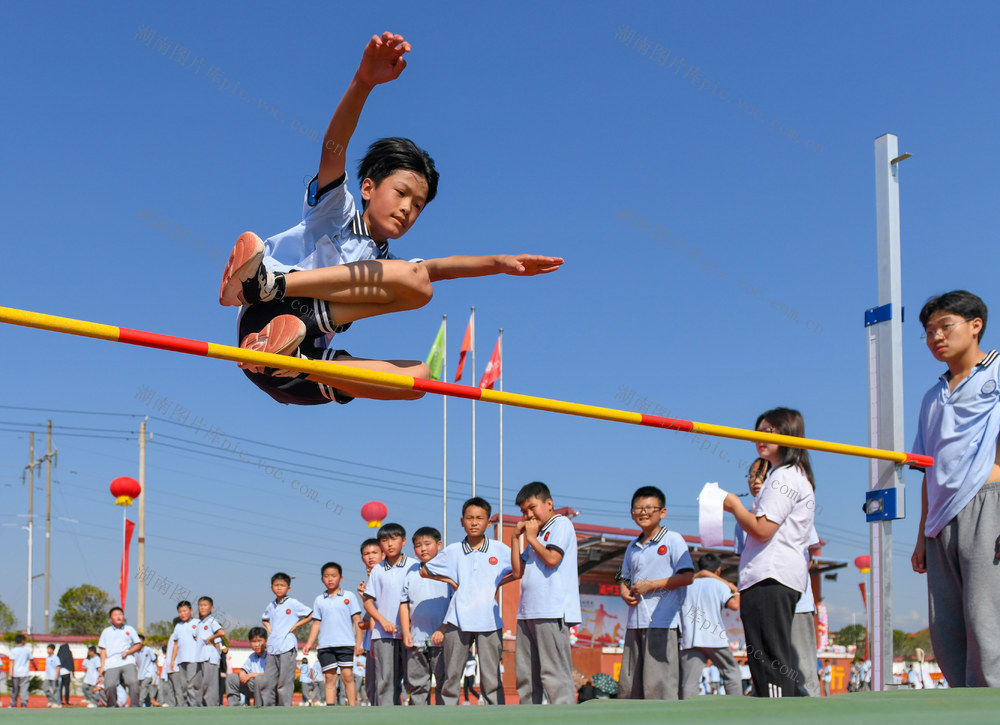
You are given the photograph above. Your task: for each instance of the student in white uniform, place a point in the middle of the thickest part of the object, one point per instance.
(336, 630)
(118, 645)
(186, 657)
(281, 618)
(210, 636)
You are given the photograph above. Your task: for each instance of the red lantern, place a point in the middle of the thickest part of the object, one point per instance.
(373, 512)
(863, 563)
(125, 489)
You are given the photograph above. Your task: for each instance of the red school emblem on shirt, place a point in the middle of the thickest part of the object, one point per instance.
(662, 550)
(493, 560)
(546, 537)
(288, 611)
(194, 626)
(346, 601)
(206, 627)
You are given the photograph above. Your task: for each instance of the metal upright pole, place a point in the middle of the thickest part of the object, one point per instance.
(140, 593)
(472, 342)
(48, 521)
(885, 402)
(444, 446)
(31, 517)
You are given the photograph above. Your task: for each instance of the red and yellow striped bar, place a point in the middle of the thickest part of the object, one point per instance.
(404, 382)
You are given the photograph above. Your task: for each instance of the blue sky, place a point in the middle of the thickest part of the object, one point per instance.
(139, 141)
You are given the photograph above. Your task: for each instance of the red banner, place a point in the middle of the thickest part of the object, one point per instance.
(492, 372)
(123, 581)
(466, 346)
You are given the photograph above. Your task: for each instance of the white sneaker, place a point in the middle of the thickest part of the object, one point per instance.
(90, 704)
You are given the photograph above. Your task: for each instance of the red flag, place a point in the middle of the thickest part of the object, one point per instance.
(123, 581)
(466, 346)
(492, 372)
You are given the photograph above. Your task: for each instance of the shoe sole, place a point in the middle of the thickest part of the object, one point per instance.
(281, 336)
(246, 257)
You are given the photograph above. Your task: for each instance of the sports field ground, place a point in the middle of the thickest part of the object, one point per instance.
(941, 707)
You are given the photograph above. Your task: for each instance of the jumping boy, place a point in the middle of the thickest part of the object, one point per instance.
(655, 570)
(281, 618)
(957, 544)
(343, 270)
(476, 567)
(248, 679)
(186, 657)
(550, 598)
(382, 595)
(337, 626)
(118, 645)
(422, 609)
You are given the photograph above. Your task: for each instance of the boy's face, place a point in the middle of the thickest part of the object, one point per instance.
(394, 204)
(331, 579)
(51, 649)
(391, 546)
(204, 608)
(117, 618)
(371, 555)
(535, 508)
(950, 336)
(183, 612)
(474, 521)
(280, 588)
(647, 512)
(426, 548)
(258, 645)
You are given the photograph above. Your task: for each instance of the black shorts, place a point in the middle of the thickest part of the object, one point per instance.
(330, 658)
(316, 316)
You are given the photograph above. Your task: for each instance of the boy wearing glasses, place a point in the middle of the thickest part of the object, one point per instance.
(957, 544)
(655, 572)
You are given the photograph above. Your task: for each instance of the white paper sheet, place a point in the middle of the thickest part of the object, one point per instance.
(710, 514)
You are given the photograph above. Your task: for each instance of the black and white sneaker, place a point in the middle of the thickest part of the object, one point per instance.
(246, 279)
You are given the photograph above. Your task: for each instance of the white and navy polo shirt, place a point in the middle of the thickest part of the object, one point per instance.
(283, 615)
(188, 644)
(665, 554)
(206, 628)
(960, 429)
(115, 641)
(478, 573)
(332, 232)
(336, 612)
(429, 600)
(385, 586)
(552, 592)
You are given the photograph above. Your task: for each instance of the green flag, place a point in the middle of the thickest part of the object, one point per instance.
(436, 355)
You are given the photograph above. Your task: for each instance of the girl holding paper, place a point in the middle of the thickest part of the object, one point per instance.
(773, 572)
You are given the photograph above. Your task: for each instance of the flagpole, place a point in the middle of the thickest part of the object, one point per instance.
(500, 387)
(472, 324)
(444, 464)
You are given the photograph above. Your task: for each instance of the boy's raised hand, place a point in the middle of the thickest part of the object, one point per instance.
(528, 265)
(383, 60)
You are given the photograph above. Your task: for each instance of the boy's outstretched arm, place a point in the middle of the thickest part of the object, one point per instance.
(382, 62)
(521, 265)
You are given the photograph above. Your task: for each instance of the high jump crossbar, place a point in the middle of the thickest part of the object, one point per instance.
(404, 382)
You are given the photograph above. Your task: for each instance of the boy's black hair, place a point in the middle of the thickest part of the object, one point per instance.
(786, 421)
(426, 531)
(649, 492)
(763, 467)
(961, 303)
(206, 599)
(92, 648)
(51, 647)
(369, 542)
(535, 489)
(282, 576)
(481, 503)
(113, 609)
(331, 565)
(142, 637)
(256, 632)
(390, 530)
(709, 562)
(20, 639)
(389, 155)
(183, 603)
